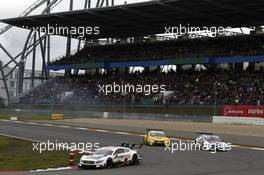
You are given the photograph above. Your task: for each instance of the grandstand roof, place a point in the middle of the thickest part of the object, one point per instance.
(151, 17)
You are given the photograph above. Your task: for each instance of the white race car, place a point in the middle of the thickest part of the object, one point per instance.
(212, 143)
(107, 157)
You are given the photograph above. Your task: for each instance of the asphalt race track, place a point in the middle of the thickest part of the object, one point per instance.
(156, 160)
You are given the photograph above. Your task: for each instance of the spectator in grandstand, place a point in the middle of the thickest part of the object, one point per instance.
(170, 49)
(217, 87)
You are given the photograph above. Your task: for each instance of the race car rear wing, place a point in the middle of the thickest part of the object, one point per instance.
(153, 130)
(204, 133)
(131, 145)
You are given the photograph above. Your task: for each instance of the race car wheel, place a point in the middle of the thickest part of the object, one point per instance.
(149, 143)
(135, 160)
(109, 163)
(167, 143)
(202, 146)
(81, 167)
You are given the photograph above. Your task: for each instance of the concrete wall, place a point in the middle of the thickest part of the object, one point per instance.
(238, 120)
(112, 115)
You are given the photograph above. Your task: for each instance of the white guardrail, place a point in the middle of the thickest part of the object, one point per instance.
(238, 120)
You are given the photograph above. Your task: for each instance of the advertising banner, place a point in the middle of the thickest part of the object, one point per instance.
(244, 111)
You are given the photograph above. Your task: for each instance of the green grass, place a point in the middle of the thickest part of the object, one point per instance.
(18, 154)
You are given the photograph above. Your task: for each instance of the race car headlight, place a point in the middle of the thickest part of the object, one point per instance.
(99, 161)
(151, 140)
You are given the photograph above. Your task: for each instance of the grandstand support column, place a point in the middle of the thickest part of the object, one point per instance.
(127, 70)
(9, 55)
(123, 71)
(5, 83)
(33, 61)
(13, 59)
(153, 68)
(68, 45)
(179, 68)
(238, 67)
(160, 68)
(231, 66)
(100, 3)
(22, 65)
(251, 66)
(193, 67)
(87, 4)
(21, 77)
(48, 53)
(97, 3)
(48, 40)
(146, 69)
(90, 71)
(28, 47)
(99, 71)
(43, 53)
(212, 67)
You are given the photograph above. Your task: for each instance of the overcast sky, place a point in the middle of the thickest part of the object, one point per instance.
(14, 39)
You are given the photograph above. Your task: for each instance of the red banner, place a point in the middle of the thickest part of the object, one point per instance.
(244, 111)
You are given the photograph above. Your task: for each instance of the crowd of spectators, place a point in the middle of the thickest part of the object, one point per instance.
(215, 87)
(169, 49)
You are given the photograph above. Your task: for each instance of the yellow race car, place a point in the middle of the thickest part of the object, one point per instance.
(156, 137)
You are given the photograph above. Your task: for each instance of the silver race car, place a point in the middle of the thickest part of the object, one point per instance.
(107, 157)
(212, 143)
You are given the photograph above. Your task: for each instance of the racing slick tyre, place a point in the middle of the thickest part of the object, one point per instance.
(134, 160)
(82, 167)
(109, 163)
(203, 147)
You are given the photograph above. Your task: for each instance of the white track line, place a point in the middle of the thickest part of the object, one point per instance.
(82, 128)
(32, 123)
(52, 169)
(45, 124)
(124, 133)
(101, 130)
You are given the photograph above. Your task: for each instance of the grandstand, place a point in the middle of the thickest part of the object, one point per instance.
(219, 70)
